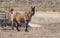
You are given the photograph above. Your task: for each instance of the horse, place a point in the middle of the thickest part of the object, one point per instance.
(22, 18)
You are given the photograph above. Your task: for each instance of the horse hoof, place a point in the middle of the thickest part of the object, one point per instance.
(26, 30)
(18, 30)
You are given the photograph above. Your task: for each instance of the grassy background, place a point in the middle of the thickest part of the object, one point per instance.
(22, 5)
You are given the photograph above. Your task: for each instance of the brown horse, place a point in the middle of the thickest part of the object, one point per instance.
(23, 18)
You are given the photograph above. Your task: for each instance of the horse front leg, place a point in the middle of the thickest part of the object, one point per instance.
(26, 30)
(17, 26)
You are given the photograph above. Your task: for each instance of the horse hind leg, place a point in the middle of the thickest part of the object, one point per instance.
(12, 25)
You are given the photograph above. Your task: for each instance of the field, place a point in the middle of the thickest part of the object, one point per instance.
(48, 20)
(50, 27)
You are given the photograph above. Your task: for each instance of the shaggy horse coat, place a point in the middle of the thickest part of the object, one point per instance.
(22, 18)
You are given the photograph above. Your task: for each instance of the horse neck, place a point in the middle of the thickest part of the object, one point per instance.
(29, 16)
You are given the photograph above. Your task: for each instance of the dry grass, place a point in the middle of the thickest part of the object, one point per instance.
(50, 29)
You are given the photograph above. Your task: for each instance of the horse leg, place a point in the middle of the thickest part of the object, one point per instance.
(17, 26)
(12, 26)
(26, 30)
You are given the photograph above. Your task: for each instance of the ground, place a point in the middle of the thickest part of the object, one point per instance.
(50, 28)
(51, 31)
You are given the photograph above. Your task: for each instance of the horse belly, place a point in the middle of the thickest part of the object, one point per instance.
(22, 20)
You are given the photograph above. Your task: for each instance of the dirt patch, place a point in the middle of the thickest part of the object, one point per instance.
(48, 31)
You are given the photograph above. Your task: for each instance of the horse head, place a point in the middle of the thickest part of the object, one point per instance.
(33, 10)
